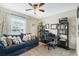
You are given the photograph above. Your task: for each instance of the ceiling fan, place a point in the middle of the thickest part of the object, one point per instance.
(36, 7)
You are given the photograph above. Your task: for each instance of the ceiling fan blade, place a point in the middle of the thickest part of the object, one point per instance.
(30, 4)
(41, 10)
(28, 9)
(41, 4)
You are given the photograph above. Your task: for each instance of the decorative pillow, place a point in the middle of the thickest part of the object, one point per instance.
(33, 36)
(25, 38)
(3, 39)
(15, 40)
(4, 43)
(29, 37)
(9, 37)
(9, 41)
(19, 39)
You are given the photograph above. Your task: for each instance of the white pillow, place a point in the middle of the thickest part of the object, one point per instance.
(3, 39)
(19, 39)
(15, 40)
(4, 43)
(25, 38)
(33, 36)
(9, 37)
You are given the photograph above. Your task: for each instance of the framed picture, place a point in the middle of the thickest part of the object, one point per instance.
(46, 26)
(54, 26)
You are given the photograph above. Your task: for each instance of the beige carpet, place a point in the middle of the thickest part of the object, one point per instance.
(42, 50)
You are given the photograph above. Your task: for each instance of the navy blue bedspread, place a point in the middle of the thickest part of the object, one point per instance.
(18, 49)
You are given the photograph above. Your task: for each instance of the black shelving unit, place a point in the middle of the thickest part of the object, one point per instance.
(63, 30)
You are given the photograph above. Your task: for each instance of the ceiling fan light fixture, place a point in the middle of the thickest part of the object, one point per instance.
(36, 7)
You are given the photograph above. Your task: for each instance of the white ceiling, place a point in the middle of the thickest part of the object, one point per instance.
(50, 8)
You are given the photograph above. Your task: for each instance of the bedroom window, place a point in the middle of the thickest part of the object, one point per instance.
(17, 24)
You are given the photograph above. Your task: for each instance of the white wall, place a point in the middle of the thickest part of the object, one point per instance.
(32, 25)
(72, 15)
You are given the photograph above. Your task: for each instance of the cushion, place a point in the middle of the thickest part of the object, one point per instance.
(29, 37)
(3, 39)
(4, 43)
(19, 39)
(9, 41)
(13, 38)
(24, 38)
(33, 36)
(10, 37)
(15, 41)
